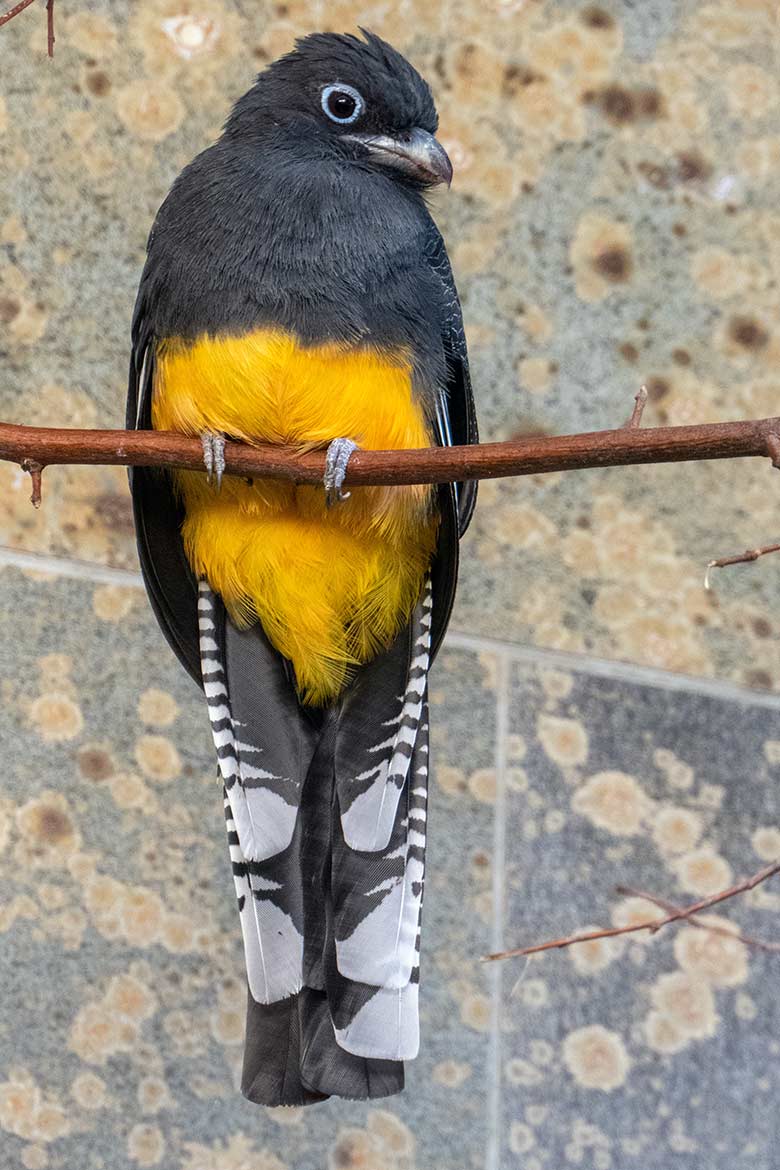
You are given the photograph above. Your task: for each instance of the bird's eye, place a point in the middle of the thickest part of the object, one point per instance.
(342, 103)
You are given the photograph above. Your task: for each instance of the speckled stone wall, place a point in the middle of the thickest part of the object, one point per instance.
(599, 719)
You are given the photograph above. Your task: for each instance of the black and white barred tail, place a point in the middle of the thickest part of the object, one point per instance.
(326, 822)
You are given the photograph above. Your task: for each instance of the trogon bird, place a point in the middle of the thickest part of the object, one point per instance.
(297, 291)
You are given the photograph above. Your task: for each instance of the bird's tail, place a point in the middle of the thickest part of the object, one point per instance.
(326, 827)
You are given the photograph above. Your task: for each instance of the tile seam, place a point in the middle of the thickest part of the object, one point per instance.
(67, 567)
(608, 668)
(494, 1110)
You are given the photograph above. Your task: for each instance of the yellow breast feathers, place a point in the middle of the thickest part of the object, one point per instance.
(330, 587)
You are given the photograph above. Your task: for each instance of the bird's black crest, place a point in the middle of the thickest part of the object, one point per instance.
(397, 97)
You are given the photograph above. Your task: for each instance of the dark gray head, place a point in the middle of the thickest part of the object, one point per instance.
(351, 99)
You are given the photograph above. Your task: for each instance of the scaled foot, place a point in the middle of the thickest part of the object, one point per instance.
(336, 459)
(213, 443)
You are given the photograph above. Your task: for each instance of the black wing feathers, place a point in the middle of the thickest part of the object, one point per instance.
(158, 515)
(458, 426)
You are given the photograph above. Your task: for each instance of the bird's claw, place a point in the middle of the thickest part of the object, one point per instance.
(213, 443)
(336, 459)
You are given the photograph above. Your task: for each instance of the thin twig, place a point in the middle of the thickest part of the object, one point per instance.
(12, 12)
(640, 401)
(713, 927)
(528, 456)
(20, 7)
(50, 27)
(680, 914)
(751, 554)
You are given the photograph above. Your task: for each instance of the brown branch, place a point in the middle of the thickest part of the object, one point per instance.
(20, 7)
(12, 12)
(751, 554)
(679, 914)
(529, 456)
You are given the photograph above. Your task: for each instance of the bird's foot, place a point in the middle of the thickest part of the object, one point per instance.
(336, 459)
(213, 443)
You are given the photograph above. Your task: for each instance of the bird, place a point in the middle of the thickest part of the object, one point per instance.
(297, 291)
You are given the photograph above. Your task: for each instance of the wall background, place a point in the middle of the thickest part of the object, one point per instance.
(613, 220)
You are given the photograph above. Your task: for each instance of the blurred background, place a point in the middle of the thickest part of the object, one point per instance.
(598, 717)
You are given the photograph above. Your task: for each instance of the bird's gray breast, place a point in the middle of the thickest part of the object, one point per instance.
(329, 253)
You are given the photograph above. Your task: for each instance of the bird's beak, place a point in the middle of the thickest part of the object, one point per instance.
(415, 153)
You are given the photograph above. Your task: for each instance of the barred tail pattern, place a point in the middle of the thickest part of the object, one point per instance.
(364, 917)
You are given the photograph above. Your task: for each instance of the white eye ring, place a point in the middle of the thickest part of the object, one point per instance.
(330, 90)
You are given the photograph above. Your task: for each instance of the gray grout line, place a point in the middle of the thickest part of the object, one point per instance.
(529, 655)
(68, 567)
(494, 1103)
(648, 676)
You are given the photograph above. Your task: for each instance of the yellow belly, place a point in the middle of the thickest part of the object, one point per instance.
(330, 587)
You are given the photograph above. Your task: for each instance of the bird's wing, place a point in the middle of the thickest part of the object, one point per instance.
(158, 515)
(456, 419)
(456, 425)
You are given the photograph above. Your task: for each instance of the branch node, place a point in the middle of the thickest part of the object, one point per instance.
(729, 931)
(773, 448)
(35, 471)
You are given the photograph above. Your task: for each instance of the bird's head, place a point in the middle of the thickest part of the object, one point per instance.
(358, 100)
